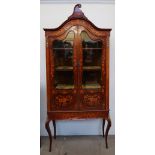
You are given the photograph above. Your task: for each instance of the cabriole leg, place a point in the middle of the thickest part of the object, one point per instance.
(107, 131)
(54, 125)
(103, 124)
(49, 133)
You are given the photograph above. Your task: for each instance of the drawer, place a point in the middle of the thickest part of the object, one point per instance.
(63, 100)
(92, 100)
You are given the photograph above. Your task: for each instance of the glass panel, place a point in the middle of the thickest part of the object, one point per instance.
(91, 79)
(63, 61)
(64, 80)
(92, 54)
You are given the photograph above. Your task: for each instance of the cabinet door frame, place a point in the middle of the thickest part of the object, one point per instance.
(99, 93)
(52, 92)
(94, 32)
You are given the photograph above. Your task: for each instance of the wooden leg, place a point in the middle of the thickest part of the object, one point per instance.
(54, 125)
(103, 124)
(49, 133)
(107, 131)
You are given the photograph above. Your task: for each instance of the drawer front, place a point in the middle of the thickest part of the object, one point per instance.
(64, 100)
(92, 100)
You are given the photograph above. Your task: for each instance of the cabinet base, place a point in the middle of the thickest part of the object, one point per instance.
(52, 116)
(62, 115)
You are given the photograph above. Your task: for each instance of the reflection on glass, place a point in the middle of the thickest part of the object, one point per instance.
(92, 53)
(63, 51)
(64, 80)
(88, 43)
(91, 58)
(91, 79)
(63, 58)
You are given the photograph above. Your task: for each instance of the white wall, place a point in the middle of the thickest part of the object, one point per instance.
(102, 15)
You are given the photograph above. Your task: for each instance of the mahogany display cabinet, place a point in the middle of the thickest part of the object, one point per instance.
(77, 72)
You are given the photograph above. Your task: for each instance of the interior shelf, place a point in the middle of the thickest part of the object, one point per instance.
(86, 86)
(92, 48)
(70, 68)
(93, 86)
(91, 67)
(64, 86)
(64, 68)
(62, 48)
(72, 48)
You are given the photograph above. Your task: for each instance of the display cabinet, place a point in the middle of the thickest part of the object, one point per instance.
(77, 71)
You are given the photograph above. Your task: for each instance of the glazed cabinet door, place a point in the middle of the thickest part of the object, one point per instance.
(92, 71)
(63, 71)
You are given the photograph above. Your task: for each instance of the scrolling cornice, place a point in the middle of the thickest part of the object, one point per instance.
(71, 25)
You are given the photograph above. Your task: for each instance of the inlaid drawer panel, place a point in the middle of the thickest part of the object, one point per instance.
(63, 100)
(92, 100)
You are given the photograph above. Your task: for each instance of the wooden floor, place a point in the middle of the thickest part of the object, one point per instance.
(78, 145)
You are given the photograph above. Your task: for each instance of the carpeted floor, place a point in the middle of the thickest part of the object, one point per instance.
(78, 145)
